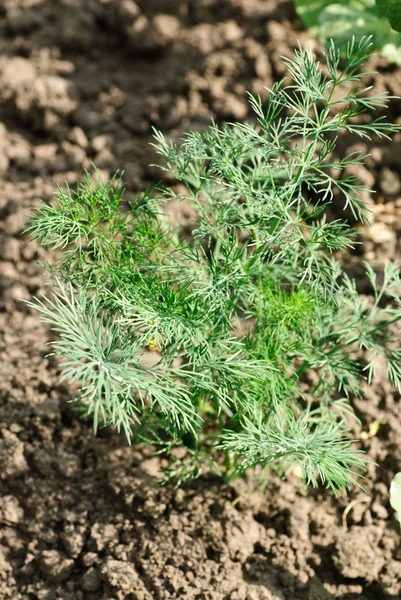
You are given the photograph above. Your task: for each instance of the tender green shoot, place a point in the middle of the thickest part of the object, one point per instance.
(243, 335)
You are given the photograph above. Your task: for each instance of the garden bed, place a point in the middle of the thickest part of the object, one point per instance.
(81, 516)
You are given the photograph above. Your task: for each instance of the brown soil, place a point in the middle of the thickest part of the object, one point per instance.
(81, 517)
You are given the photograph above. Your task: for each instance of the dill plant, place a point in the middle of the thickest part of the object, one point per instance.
(237, 312)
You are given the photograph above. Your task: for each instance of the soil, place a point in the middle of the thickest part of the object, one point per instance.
(81, 517)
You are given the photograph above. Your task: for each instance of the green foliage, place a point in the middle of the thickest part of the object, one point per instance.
(344, 19)
(244, 335)
(392, 10)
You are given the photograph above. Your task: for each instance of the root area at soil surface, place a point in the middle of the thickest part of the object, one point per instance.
(81, 517)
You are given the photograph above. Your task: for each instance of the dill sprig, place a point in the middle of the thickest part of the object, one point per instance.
(205, 340)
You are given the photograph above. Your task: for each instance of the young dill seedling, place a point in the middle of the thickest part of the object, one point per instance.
(236, 314)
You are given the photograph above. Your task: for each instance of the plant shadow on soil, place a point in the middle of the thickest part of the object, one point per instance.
(259, 571)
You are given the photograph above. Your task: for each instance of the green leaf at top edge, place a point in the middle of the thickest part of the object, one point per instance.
(392, 10)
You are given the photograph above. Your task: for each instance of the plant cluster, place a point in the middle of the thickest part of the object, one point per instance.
(242, 338)
(342, 19)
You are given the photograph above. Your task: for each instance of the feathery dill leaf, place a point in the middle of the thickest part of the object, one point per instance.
(243, 335)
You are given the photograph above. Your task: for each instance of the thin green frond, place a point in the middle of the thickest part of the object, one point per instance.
(241, 333)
